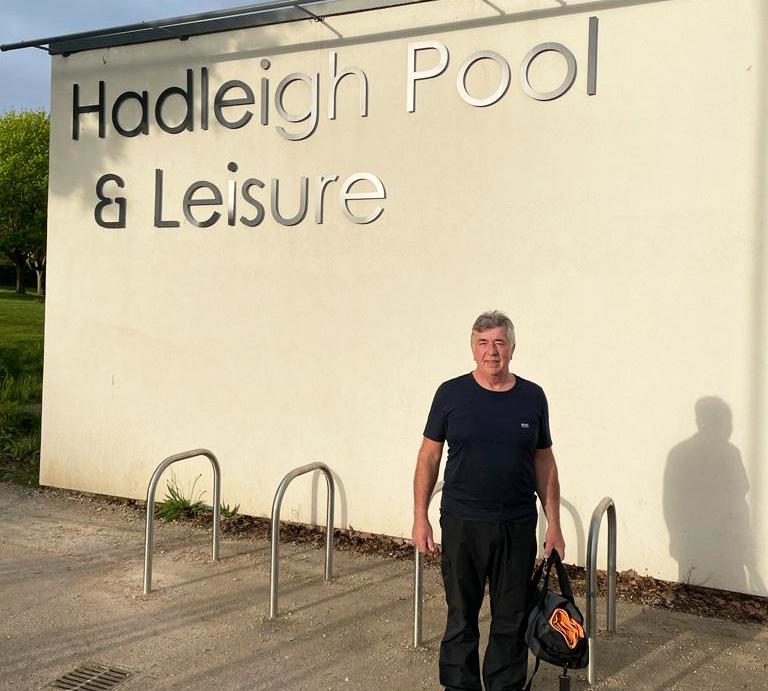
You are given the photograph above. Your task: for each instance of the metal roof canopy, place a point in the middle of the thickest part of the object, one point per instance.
(185, 26)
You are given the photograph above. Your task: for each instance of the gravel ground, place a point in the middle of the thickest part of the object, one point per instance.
(71, 575)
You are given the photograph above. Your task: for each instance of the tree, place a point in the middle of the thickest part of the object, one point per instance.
(37, 255)
(24, 191)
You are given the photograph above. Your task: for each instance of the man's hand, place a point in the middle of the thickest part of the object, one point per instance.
(554, 540)
(422, 535)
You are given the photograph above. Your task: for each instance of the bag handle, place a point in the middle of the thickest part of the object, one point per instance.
(542, 573)
(533, 584)
(562, 575)
(536, 577)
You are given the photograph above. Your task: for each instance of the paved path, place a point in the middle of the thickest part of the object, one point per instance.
(70, 594)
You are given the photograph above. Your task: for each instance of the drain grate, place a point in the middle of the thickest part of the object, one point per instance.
(92, 678)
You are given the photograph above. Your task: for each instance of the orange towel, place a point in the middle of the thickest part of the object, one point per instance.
(567, 626)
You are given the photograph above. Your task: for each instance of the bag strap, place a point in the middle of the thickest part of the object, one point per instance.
(533, 584)
(562, 574)
(540, 574)
(535, 669)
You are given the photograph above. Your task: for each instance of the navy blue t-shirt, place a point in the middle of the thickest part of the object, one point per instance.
(492, 437)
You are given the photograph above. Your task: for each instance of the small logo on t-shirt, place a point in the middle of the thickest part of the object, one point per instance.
(524, 425)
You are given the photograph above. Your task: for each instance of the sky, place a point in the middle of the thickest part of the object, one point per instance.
(25, 74)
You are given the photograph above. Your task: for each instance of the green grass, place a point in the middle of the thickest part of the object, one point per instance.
(228, 511)
(21, 383)
(178, 504)
(21, 319)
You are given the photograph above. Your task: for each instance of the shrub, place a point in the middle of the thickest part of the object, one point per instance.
(177, 504)
(229, 512)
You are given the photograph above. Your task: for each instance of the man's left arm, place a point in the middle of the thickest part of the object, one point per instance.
(548, 489)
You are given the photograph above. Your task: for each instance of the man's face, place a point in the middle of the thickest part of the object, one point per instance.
(492, 350)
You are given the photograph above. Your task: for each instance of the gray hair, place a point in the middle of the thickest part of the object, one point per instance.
(492, 319)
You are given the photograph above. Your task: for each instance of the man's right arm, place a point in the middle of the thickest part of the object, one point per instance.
(424, 479)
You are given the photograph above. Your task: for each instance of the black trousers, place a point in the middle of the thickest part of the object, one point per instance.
(504, 554)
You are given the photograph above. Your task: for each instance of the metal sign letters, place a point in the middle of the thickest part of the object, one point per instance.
(235, 104)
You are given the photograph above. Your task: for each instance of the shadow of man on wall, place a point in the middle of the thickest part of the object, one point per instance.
(705, 506)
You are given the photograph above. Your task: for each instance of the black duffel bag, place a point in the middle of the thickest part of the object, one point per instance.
(555, 626)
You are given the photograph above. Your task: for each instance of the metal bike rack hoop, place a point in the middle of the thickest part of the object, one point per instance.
(418, 581)
(151, 507)
(274, 567)
(605, 505)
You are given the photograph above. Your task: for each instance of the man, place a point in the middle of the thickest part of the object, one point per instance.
(499, 456)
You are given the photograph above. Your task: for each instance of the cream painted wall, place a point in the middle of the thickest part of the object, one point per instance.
(622, 232)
